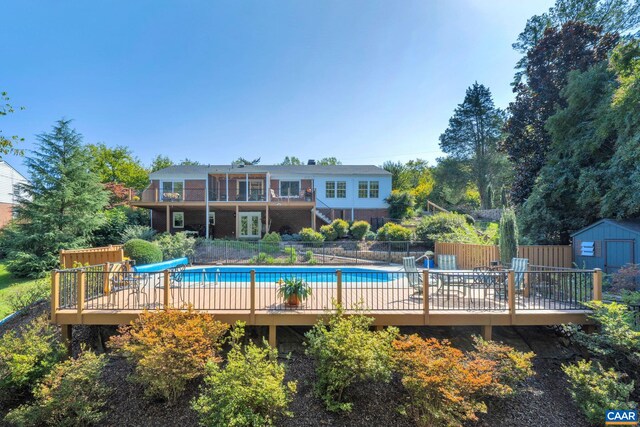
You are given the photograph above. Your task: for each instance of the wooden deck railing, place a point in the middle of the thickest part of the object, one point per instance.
(110, 290)
(91, 256)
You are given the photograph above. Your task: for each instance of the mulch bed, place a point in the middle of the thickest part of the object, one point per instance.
(543, 401)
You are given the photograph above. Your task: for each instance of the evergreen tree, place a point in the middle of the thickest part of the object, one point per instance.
(473, 134)
(508, 236)
(60, 207)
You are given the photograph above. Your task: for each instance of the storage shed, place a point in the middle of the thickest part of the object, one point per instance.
(607, 244)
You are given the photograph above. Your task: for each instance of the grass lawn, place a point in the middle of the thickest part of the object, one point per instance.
(8, 286)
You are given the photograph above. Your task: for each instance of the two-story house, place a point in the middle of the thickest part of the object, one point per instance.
(9, 179)
(246, 201)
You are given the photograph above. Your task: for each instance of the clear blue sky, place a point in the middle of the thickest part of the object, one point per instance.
(365, 81)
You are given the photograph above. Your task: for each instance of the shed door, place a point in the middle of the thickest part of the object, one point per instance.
(617, 254)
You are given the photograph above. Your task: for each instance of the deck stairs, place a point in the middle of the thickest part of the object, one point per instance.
(323, 217)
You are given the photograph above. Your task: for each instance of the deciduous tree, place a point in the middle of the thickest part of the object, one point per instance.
(575, 46)
(8, 144)
(118, 165)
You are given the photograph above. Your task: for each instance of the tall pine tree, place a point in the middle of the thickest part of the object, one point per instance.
(59, 208)
(473, 135)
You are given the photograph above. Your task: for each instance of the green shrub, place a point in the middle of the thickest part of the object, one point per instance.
(142, 252)
(341, 226)
(346, 352)
(595, 390)
(262, 258)
(170, 348)
(271, 243)
(508, 240)
(249, 390)
(359, 229)
(110, 233)
(469, 219)
(29, 356)
(308, 256)
(138, 232)
(26, 296)
(292, 255)
(630, 297)
(330, 234)
(391, 232)
(309, 235)
(369, 236)
(446, 227)
(178, 245)
(400, 203)
(32, 266)
(72, 394)
(617, 339)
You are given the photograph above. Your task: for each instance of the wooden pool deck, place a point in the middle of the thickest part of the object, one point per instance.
(390, 302)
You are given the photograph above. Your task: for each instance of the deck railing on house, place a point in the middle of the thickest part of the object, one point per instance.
(199, 194)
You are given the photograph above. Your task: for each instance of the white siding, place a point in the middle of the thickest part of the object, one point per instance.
(352, 200)
(9, 177)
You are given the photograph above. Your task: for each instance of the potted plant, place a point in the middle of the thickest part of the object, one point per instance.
(294, 290)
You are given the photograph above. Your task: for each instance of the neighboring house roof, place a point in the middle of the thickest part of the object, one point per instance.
(9, 177)
(15, 171)
(277, 169)
(632, 225)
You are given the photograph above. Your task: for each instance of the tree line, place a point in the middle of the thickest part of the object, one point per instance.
(566, 151)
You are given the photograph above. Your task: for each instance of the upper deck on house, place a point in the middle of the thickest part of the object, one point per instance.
(255, 184)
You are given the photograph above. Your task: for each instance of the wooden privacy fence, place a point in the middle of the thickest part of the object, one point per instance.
(470, 256)
(92, 256)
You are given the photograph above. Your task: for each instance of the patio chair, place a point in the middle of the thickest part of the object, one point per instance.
(519, 267)
(176, 280)
(274, 196)
(413, 275)
(130, 281)
(487, 278)
(447, 262)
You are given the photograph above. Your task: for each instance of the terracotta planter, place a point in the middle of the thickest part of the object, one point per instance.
(294, 300)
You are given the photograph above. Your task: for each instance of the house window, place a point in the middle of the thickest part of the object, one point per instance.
(374, 189)
(178, 220)
(370, 189)
(172, 190)
(363, 189)
(330, 190)
(289, 188)
(336, 189)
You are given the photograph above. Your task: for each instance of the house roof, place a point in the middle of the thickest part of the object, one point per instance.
(14, 169)
(628, 224)
(188, 170)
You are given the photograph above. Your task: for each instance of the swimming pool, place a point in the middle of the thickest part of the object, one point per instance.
(274, 274)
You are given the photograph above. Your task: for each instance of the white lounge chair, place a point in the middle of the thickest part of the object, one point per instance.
(413, 275)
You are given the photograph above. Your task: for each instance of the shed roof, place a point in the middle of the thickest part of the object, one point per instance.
(632, 225)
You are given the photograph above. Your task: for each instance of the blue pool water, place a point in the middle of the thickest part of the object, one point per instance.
(273, 274)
